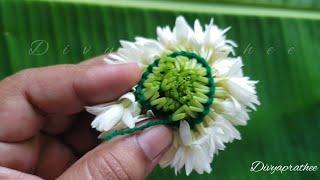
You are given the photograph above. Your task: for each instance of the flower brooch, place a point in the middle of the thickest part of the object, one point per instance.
(190, 83)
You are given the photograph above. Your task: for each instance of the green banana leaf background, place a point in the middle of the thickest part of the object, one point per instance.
(279, 41)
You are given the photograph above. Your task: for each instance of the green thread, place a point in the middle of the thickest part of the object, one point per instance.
(108, 136)
(194, 113)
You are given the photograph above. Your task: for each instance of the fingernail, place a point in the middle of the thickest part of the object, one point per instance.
(154, 141)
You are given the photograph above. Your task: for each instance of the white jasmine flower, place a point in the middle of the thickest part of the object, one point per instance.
(126, 110)
(191, 152)
(188, 77)
(242, 89)
(142, 52)
(233, 111)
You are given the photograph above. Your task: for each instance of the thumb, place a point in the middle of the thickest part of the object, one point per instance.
(131, 157)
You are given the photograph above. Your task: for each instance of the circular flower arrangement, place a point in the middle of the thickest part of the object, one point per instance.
(190, 83)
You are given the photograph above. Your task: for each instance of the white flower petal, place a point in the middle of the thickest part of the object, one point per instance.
(198, 31)
(107, 120)
(96, 110)
(185, 132)
(128, 119)
(130, 96)
(166, 37)
(182, 29)
(135, 109)
(179, 159)
(233, 111)
(243, 90)
(229, 67)
(189, 166)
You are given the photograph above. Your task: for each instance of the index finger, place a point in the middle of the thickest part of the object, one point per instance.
(27, 97)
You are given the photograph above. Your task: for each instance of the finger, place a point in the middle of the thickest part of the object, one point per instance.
(96, 61)
(6, 173)
(42, 155)
(20, 156)
(54, 158)
(130, 157)
(81, 137)
(62, 89)
(56, 124)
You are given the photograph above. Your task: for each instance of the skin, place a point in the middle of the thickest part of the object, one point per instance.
(45, 133)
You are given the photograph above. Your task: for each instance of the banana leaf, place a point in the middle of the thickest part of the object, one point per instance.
(278, 40)
(297, 4)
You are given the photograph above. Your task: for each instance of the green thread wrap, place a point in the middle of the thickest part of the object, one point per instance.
(167, 120)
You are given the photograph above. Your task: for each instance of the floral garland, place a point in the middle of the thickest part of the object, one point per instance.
(189, 83)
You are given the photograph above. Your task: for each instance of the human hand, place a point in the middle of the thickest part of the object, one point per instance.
(44, 131)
